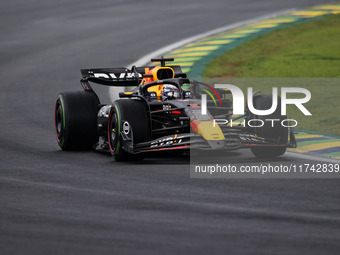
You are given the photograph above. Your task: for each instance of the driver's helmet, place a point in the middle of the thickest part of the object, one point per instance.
(169, 92)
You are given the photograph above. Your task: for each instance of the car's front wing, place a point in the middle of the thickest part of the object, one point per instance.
(232, 141)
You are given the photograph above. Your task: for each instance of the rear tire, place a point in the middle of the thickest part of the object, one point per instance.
(278, 132)
(76, 120)
(136, 114)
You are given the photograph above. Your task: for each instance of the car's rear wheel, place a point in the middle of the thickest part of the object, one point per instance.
(278, 133)
(129, 124)
(76, 120)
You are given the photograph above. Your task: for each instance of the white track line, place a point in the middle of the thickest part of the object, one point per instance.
(113, 92)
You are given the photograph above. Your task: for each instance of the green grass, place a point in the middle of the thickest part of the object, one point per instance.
(307, 50)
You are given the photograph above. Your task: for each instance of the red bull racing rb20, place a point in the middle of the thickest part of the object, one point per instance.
(162, 112)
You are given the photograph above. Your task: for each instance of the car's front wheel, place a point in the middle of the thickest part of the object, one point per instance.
(129, 124)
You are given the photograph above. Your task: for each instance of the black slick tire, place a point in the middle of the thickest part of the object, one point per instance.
(131, 113)
(76, 120)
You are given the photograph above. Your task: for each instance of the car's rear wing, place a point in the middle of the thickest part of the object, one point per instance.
(113, 76)
(118, 76)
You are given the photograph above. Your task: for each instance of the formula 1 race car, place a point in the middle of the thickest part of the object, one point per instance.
(163, 112)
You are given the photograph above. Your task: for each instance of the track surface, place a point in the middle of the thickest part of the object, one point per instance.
(54, 202)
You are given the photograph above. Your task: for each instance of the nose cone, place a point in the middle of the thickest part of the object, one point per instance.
(216, 144)
(210, 132)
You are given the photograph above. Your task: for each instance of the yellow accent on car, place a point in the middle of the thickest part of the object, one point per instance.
(161, 73)
(157, 89)
(209, 132)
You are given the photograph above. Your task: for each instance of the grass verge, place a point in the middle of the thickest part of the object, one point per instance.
(306, 50)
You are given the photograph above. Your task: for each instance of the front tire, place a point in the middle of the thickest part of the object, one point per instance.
(278, 132)
(128, 114)
(76, 120)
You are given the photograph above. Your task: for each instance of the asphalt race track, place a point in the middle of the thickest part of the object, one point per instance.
(55, 202)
